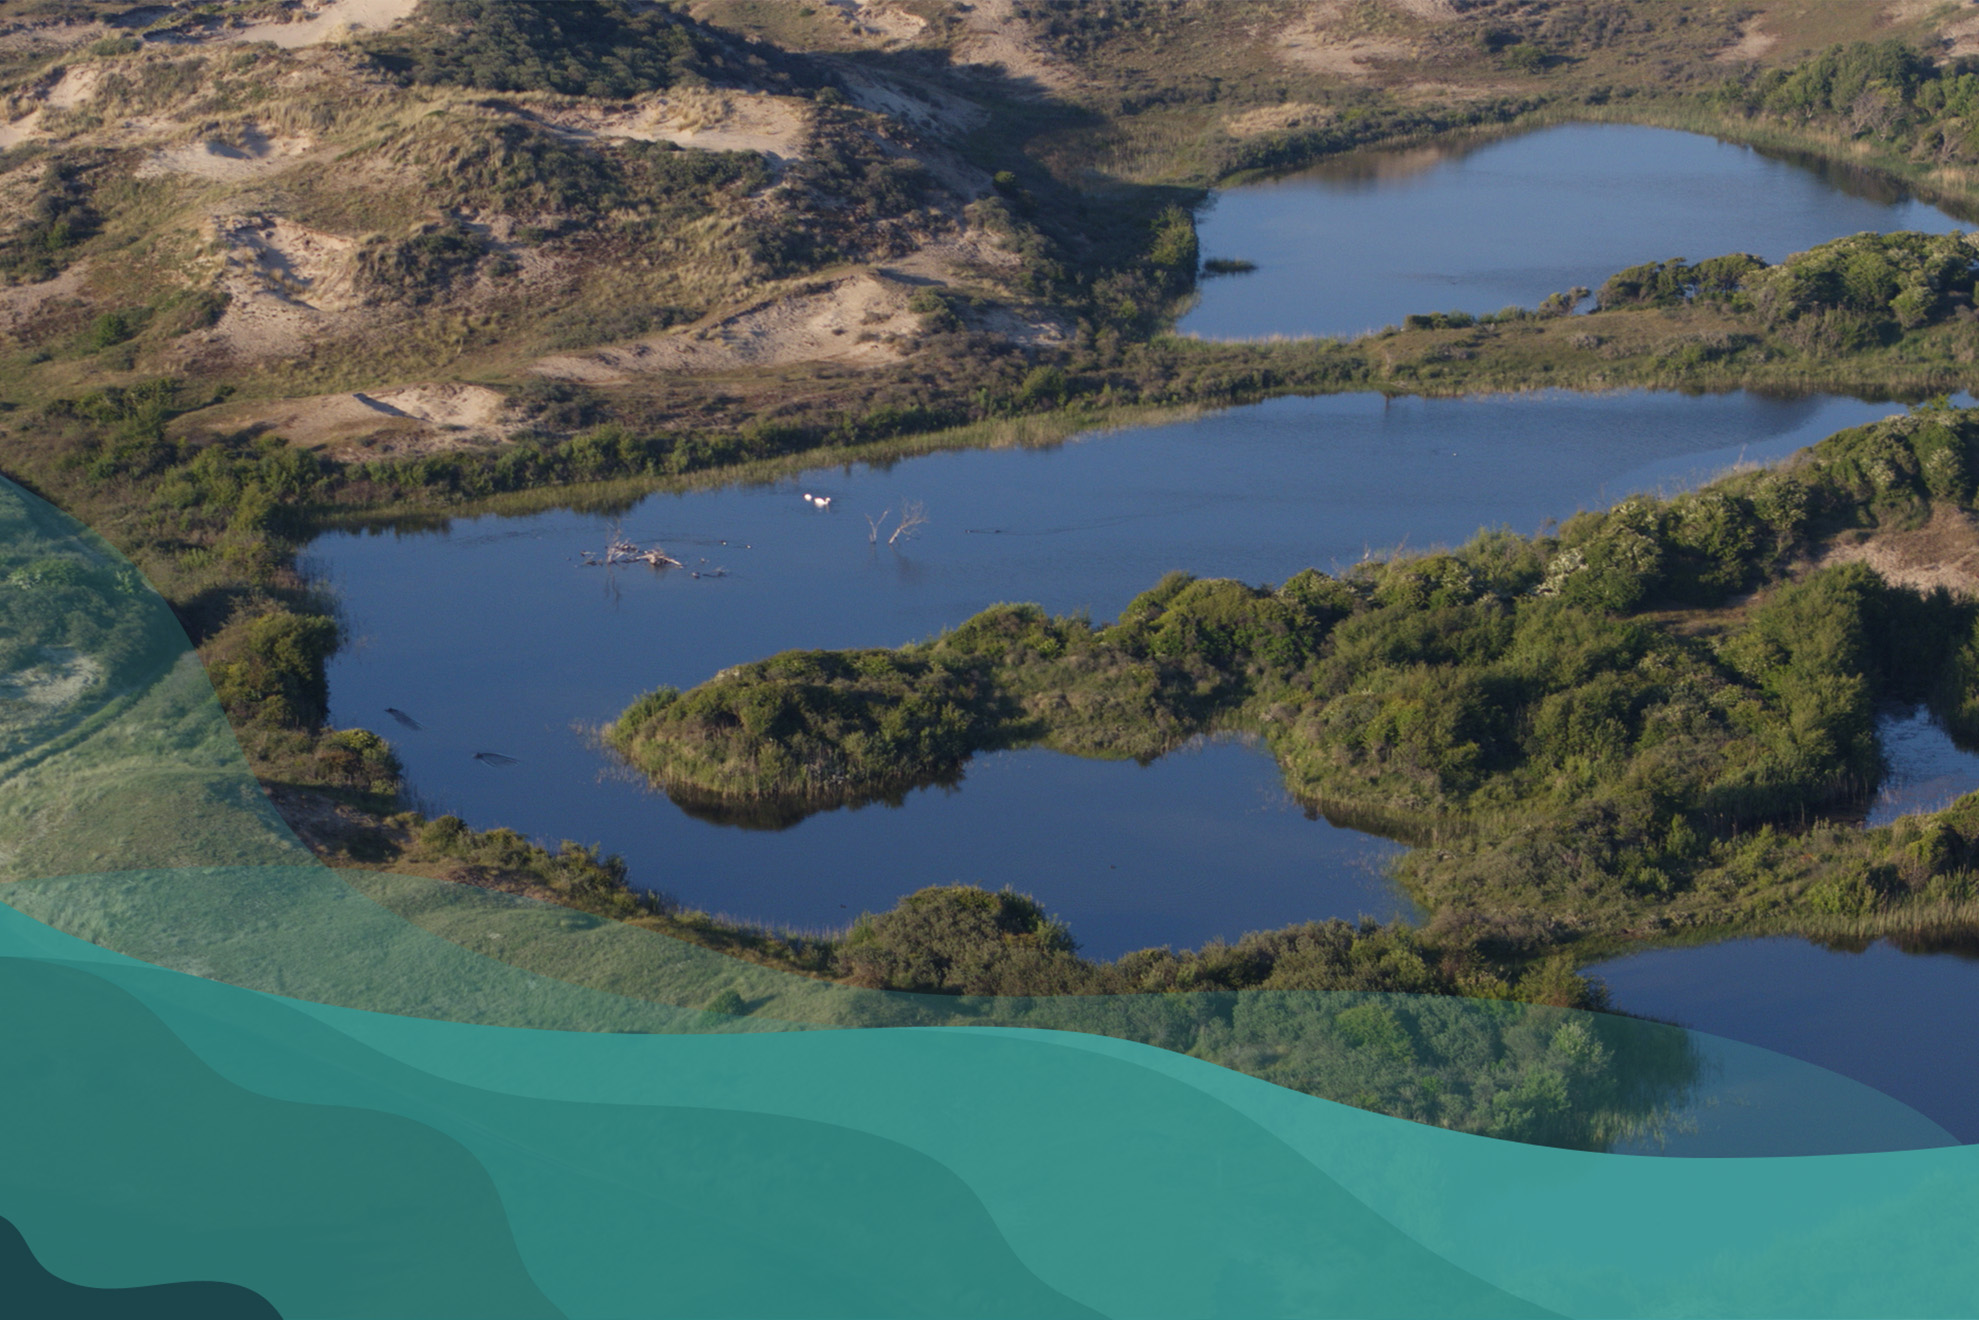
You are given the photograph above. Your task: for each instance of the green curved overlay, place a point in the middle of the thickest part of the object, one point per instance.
(362, 1094)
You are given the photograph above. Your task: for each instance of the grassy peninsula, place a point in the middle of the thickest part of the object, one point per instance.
(1604, 734)
(266, 272)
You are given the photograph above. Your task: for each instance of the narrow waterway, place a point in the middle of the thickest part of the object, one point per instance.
(1363, 240)
(493, 637)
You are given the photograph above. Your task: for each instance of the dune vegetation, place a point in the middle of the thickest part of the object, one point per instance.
(262, 271)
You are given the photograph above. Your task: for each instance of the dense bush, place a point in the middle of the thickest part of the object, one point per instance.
(272, 670)
(56, 222)
(602, 48)
(1525, 682)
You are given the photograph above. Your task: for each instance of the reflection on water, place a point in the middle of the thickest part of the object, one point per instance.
(1926, 771)
(1364, 240)
(1905, 1023)
(490, 634)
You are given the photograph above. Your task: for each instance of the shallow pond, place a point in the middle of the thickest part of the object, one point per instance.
(1924, 769)
(1901, 1022)
(495, 639)
(1366, 239)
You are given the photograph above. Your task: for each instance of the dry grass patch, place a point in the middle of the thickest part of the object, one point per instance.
(1942, 553)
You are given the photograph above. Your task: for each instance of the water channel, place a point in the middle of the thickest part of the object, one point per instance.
(495, 638)
(491, 634)
(1365, 239)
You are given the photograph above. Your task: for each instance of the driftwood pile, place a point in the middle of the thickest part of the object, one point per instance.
(622, 551)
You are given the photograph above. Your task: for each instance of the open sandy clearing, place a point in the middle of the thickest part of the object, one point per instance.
(327, 20)
(285, 284)
(1434, 11)
(774, 126)
(20, 302)
(1942, 553)
(1753, 42)
(881, 19)
(254, 156)
(859, 318)
(997, 36)
(919, 106)
(396, 422)
(1313, 41)
(72, 89)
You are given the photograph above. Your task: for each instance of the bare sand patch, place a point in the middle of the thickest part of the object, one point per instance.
(881, 19)
(285, 283)
(861, 318)
(72, 88)
(475, 407)
(1277, 119)
(75, 87)
(952, 258)
(25, 129)
(252, 157)
(1753, 42)
(1904, 11)
(775, 126)
(32, 695)
(53, 36)
(1942, 553)
(396, 422)
(920, 106)
(1314, 41)
(323, 21)
(21, 302)
(995, 35)
(1433, 11)
(1962, 38)
(1348, 58)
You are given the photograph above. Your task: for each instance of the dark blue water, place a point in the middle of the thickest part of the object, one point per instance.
(1363, 241)
(1905, 1023)
(494, 637)
(1924, 769)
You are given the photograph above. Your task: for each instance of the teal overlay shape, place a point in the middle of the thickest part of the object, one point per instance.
(360, 1094)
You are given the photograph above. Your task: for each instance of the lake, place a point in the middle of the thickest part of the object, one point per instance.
(1364, 240)
(494, 637)
(1901, 1022)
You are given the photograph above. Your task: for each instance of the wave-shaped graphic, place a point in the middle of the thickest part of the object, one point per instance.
(359, 1093)
(31, 1290)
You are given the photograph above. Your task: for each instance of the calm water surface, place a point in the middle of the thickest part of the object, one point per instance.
(1926, 771)
(1363, 241)
(1903, 1023)
(494, 637)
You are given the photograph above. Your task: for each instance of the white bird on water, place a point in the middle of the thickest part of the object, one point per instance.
(822, 501)
(808, 497)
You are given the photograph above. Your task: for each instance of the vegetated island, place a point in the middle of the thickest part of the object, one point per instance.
(1651, 723)
(275, 273)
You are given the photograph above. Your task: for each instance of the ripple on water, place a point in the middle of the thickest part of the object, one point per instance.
(1925, 770)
